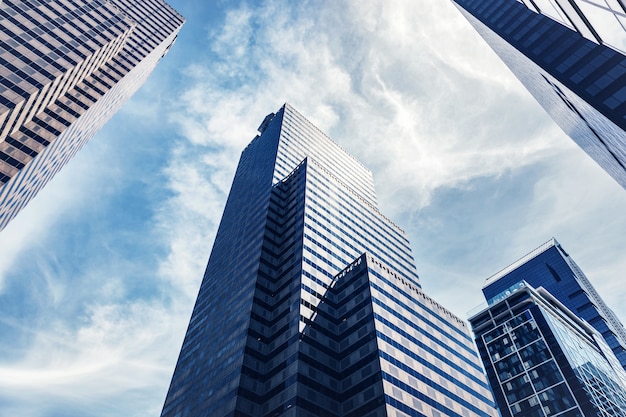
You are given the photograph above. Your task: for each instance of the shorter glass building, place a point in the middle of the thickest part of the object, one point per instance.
(549, 266)
(542, 360)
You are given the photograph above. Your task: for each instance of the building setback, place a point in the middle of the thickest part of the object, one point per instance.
(550, 267)
(570, 55)
(66, 66)
(544, 361)
(311, 305)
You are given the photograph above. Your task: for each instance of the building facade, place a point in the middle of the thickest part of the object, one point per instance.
(65, 68)
(311, 304)
(542, 360)
(570, 55)
(550, 267)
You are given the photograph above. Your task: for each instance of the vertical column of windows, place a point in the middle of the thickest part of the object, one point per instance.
(269, 374)
(528, 374)
(603, 383)
(339, 350)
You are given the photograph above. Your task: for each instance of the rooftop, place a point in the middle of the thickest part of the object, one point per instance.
(521, 261)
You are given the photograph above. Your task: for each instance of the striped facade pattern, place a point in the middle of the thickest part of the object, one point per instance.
(294, 319)
(66, 67)
(581, 84)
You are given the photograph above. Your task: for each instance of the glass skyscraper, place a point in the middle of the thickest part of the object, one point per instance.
(66, 66)
(550, 267)
(311, 305)
(544, 361)
(570, 55)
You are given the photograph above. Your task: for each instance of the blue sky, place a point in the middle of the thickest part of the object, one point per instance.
(99, 273)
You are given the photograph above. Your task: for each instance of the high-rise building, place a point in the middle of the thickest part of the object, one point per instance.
(550, 267)
(570, 55)
(66, 66)
(311, 305)
(544, 361)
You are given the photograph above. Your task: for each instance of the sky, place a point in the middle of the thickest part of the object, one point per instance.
(99, 273)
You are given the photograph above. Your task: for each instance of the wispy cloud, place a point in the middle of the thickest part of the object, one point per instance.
(396, 91)
(99, 290)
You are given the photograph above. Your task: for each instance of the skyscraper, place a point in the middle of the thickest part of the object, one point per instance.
(65, 68)
(544, 361)
(550, 267)
(570, 55)
(311, 305)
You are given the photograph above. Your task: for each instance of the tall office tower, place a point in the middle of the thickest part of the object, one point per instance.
(542, 360)
(550, 267)
(311, 305)
(570, 55)
(66, 66)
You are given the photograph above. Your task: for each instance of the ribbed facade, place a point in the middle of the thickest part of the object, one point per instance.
(66, 67)
(311, 304)
(577, 78)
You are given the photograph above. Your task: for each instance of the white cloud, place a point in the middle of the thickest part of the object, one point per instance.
(377, 91)
(112, 354)
(406, 87)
